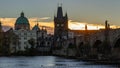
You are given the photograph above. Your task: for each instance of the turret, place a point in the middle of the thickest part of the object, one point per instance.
(0, 26)
(106, 24)
(86, 27)
(66, 16)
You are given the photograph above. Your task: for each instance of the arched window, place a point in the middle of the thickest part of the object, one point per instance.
(97, 44)
(117, 44)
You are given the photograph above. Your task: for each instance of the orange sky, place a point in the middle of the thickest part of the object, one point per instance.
(50, 25)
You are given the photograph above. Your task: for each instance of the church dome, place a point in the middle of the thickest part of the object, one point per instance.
(22, 23)
(36, 27)
(22, 20)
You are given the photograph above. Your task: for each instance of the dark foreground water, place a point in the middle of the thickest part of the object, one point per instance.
(48, 62)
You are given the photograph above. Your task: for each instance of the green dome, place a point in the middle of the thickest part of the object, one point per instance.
(36, 27)
(22, 20)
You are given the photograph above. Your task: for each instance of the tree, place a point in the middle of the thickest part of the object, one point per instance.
(32, 43)
(31, 50)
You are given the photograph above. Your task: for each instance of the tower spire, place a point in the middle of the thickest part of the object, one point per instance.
(59, 12)
(106, 24)
(86, 27)
(66, 16)
(0, 26)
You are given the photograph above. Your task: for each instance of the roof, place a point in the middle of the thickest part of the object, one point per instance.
(36, 27)
(77, 32)
(22, 20)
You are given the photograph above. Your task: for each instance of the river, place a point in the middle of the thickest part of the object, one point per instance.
(47, 62)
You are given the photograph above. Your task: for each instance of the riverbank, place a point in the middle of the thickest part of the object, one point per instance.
(94, 61)
(48, 62)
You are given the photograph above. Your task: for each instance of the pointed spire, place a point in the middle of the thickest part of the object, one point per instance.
(66, 16)
(106, 24)
(42, 27)
(37, 24)
(86, 27)
(0, 23)
(22, 14)
(54, 15)
(0, 26)
(59, 12)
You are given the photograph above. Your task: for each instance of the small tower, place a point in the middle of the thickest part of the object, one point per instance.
(60, 24)
(106, 24)
(0, 26)
(86, 27)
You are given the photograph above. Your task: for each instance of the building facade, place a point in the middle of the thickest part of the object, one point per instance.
(24, 37)
(22, 29)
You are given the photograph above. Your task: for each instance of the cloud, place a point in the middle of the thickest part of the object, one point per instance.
(81, 26)
(43, 19)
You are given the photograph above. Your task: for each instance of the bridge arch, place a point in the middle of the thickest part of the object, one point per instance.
(80, 45)
(97, 43)
(116, 41)
(96, 47)
(116, 47)
(117, 44)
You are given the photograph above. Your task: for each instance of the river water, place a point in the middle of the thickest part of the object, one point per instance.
(47, 62)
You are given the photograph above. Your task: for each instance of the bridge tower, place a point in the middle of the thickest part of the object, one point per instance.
(60, 25)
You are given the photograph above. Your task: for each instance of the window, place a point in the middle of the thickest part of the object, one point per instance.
(62, 24)
(25, 43)
(25, 33)
(25, 38)
(57, 24)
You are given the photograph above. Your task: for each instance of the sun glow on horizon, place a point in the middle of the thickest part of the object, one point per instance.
(81, 26)
(50, 24)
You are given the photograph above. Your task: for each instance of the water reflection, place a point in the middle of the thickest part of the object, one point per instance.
(47, 62)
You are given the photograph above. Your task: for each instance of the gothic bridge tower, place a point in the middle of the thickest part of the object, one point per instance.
(60, 25)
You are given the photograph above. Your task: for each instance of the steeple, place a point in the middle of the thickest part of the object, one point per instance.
(0, 26)
(106, 24)
(86, 27)
(59, 12)
(22, 14)
(66, 16)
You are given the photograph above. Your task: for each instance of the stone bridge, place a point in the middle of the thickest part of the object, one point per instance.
(112, 36)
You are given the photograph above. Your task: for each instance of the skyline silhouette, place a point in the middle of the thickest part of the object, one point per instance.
(93, 12)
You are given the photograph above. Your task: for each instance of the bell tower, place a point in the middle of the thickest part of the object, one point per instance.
(60, 25)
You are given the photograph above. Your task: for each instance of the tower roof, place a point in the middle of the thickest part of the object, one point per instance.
(59, 12)
(36, 27)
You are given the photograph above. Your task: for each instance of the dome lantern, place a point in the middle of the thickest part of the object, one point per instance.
(22, 14)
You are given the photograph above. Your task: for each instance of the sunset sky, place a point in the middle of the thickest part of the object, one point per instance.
(80, 12)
